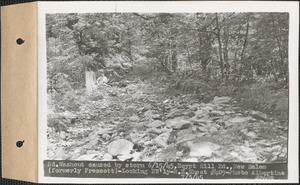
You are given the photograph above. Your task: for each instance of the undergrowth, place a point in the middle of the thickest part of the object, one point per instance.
(264, 97)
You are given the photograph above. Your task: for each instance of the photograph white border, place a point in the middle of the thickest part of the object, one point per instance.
(173, 7)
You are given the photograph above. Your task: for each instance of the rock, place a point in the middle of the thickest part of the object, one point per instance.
(154, 131)
(203, 129)
(246, 149)
(282, 155)
(107, 157)
(162, 139)
(274, 158)
(125, 157)
(148, 143)
(155, 124)
(96, 97)
(259, 115)
(151, 114)
(234, 154)
(134, 118)
(62, 135)
(202, 149)
(229, 112)
(221, 100)
(131, 86)
(244, 130)
(284, 150)
(179, 154)
(190, 160)
(117, 137)
(120, 147)
(194, 128)
(60, 154)
(136, 136)
(175, 113)
(215, 118)
(166, 101)
(216, 113)
(141, 109)
(184, 132)
(200, 113)
(88, 157)
(276, 148)
(198, 121)
(187, 137)
(105, 136)
(136, 156)
(160, 142)
(194, 106)
(101, 131)
(178, 123)
(237, 120)
(213, 130)
(251, 134)
(276, 153)
(113, 93)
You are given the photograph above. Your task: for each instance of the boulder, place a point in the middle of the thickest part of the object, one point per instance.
(178, 123)
(216, 113)
(175, 113)
(259, 115)
(202, 149)
(151, 114)
(237, 120)
(88, 157)
(194, 160)
(162, 139)
(125, 157)
(107, 157)
(120, 147)
(221, 100)
(134, 118)
(155, 124)
(154, 131)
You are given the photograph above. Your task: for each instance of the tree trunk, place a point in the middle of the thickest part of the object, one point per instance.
(220, 46)
(225, 52)
(275, 34)
(244, 47)
(245, 41)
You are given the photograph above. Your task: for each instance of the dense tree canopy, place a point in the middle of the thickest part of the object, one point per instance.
(224, 46)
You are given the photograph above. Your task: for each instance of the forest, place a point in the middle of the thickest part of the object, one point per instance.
(181, 86)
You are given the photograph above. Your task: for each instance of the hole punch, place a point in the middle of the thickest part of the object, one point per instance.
(20, 41)
(20, 143)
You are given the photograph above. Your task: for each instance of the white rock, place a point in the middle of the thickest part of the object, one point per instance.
(190, 160)
(178, 123)
(202, 149)
(162, 139)
(107, 157)
(134, 118)
(136, 156)
(234, 154)
(221, 100)
(120, 147)
(213, 130)
(125, 157)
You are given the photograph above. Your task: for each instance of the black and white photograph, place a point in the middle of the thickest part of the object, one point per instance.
(177, 88)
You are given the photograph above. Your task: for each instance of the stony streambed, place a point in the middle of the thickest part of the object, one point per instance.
(138, 122)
